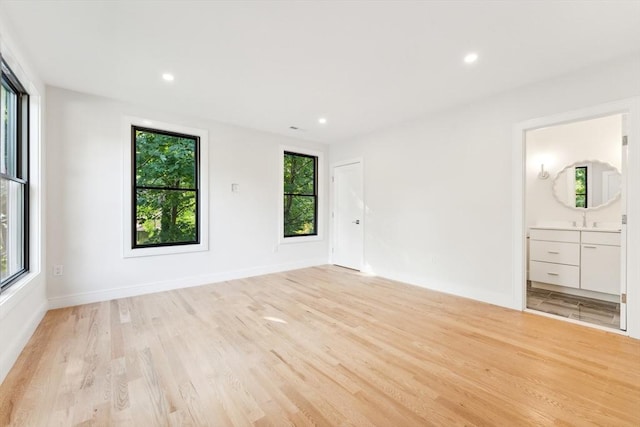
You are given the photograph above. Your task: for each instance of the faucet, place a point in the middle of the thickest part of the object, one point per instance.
(584, 219)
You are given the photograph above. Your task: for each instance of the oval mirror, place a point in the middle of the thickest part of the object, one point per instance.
(589, 184)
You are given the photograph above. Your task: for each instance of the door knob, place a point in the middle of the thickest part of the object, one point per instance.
(357, 221)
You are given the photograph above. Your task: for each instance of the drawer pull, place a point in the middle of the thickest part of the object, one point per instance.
(552, 274)
(553, 252)
(589, 247)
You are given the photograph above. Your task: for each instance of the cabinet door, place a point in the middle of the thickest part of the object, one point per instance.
(600, 268)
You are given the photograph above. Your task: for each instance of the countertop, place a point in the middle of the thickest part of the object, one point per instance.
(570, 228)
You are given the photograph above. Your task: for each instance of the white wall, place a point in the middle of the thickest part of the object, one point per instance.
(85, 202)
(560, 146)
(24, 304)
(438, 191)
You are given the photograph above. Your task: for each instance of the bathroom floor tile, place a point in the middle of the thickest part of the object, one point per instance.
(603, 313)
(559, 310)
(541, 293)
(534, 301)
(594, 318)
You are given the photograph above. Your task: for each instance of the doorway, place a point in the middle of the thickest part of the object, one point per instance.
(574, 203)
(348, 215)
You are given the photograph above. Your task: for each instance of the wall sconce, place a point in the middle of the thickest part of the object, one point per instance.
(543, 174)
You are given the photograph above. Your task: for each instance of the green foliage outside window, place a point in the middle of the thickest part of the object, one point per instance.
(165, 188)
(581, 187)
(300, 195)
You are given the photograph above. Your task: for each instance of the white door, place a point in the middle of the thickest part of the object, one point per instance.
(623, 230)
(348, 216)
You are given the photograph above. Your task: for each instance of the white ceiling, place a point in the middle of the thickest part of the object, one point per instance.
(272, 64)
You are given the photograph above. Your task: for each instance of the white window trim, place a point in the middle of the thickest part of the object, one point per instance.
(127, 250)
(320, 213)
(12, 295)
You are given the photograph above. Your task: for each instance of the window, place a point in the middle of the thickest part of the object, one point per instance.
(300, 204)
(14, 179)
(165, 191)
(581, 187)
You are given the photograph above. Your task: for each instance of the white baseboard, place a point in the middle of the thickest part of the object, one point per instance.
(12, 350)
(187, 282)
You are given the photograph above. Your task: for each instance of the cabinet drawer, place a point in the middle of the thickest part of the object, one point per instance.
(569, 236)
(601, 238)
(557, 252)
(556, 274)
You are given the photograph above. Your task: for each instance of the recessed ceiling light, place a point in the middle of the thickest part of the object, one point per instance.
(168, 77)
(470, 58)
(322, 120)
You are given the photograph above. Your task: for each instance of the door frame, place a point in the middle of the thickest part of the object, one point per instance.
(630, 107)
(332, 207)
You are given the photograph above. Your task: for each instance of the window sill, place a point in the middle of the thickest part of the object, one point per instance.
(13, 295)
(300, 239)
(164, 250)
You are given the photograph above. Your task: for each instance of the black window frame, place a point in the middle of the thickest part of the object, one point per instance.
(314, 195)
(135, 187)
(586, 184)
(22, 172)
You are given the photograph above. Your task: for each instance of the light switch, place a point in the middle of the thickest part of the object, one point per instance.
(235, 188)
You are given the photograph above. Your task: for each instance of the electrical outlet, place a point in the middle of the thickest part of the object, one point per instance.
(58, 269)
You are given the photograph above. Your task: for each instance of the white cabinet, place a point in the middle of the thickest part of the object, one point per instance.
(588, 260)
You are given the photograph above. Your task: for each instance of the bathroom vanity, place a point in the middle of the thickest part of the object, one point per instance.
(584, 259)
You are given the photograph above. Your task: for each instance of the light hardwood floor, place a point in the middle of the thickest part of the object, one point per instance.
(323, 346)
